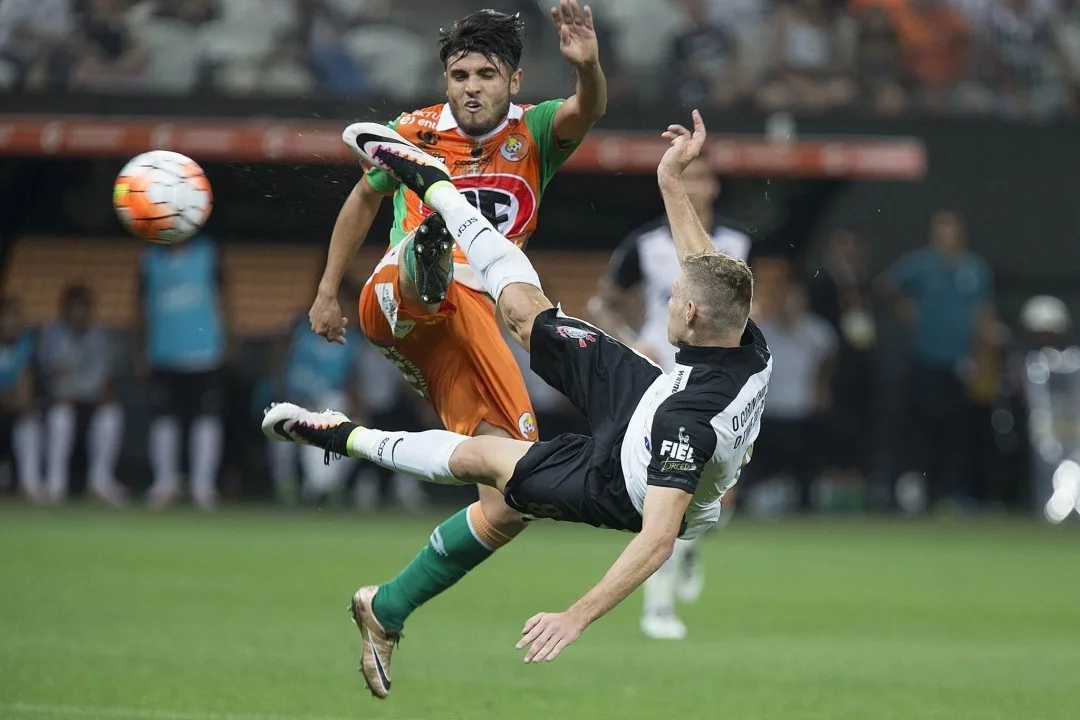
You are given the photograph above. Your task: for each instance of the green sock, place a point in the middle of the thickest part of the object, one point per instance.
(409, 259)
(451, 552)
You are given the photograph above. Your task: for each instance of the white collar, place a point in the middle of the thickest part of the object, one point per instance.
(447, 121)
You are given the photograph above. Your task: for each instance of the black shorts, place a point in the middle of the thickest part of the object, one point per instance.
(572, 477)
(186, 395)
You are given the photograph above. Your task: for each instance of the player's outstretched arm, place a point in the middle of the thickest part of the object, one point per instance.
(546, 634)
(690, 237)
(351, 227)
(577, 42)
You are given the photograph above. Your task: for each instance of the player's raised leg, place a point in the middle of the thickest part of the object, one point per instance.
(437, 456)
(502, 267)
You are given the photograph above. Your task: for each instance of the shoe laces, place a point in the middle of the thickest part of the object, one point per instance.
(337, 446)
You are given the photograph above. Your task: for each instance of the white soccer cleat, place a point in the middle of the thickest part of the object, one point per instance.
(662, 626)
(291, 423)
(383, 148)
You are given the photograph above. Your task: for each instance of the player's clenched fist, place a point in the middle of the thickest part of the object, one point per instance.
(548, 634)
(326, 318)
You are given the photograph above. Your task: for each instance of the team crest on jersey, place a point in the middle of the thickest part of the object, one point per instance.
(527, 425)
(515, 148)
(507, 201)
(584, 337)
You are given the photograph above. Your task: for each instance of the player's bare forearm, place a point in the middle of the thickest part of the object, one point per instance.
(641, 558)
(660, 521)
(547, 634)
(579, 113)
(578, 45)
(686, 229)
(350, 229)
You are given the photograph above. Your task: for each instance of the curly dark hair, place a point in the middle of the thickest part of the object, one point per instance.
(491, 33)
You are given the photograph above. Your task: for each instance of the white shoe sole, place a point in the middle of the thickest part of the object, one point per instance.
(365, 139)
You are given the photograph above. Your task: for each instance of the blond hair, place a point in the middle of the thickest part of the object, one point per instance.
(723, 288)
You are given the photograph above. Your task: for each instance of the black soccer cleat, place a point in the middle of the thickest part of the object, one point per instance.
(384, 148)
(433, 251)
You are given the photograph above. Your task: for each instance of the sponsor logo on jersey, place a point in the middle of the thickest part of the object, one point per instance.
(384, 292)
(679, 377)
(427, 138)
(584, 337)
(471, 166)
(403, 328)
(515, 148)
(679, 453)
(527, 425)
(409, 371)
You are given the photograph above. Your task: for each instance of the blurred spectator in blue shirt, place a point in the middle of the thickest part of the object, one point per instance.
(313, 373)
(183, 326)
(946, 293)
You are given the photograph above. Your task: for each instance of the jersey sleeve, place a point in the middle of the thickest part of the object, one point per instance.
(681, 443)
(381, 181)
(624, 270)
(540, 121)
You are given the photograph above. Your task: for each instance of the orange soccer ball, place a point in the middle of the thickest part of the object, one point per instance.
(162, 196)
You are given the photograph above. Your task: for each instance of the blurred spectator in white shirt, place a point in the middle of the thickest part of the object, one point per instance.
(879, 64)
(77, 365)
(803, 347)
(705, 60)
(811, 55)
(31, 31)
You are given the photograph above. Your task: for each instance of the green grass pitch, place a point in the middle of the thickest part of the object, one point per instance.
(241, 616)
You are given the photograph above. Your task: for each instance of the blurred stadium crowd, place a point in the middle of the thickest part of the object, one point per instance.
(188, 366)
(1005, 58)
(156, 365)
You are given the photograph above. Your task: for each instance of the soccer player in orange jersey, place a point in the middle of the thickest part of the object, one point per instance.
(423, 307)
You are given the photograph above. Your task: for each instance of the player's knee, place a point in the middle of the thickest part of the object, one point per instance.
(468, 462)
(503, 521)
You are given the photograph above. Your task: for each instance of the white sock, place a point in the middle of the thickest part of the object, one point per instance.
(659, 589)
(165, 454)
(59, 441)
(495, 259)
(423, 454)
(207, 437)
(408, 491)
(366, 495)
(727, 511)
(106, 437)
(320, 478)
(682, 549)
(26, 437)
(282, 456)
